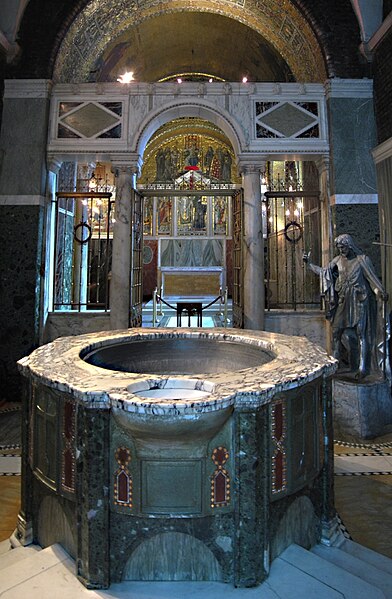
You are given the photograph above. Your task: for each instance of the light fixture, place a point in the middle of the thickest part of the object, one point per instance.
(126, 77)
(179, 80)
(244, 79)
(93, 182)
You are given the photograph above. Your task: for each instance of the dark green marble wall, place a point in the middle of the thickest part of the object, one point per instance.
(352, 133)
(20, 286)
(22, 188)
(361, 221)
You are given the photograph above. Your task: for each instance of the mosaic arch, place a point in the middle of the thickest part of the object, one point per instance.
(220, 119)
(176, 136)
(102, 21)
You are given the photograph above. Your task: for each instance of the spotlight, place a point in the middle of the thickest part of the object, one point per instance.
(126, 77)
(244, 79)
(179, 80)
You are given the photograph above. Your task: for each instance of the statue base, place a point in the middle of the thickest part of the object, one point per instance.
(361, 409)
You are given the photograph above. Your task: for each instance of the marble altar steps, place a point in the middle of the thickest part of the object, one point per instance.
(350, 571)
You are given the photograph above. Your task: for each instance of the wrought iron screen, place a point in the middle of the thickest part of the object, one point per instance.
(292, 226)
(83, 250)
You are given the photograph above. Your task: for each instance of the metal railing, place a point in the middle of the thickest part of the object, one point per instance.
(157, 301)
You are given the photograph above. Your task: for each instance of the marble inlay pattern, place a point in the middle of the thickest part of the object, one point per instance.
(102, 21)
(59, 365)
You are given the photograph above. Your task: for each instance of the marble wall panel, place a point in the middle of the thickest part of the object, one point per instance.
(192, 252)
(352, 137)
(20, 259)
(23, 146)
(241, 107)
(311, 324)
(63, 324)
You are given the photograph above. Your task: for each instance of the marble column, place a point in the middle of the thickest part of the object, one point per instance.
(121, 253)
(253, 248)
(126, 168)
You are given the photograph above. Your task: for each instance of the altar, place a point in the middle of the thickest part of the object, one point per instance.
(192, 284)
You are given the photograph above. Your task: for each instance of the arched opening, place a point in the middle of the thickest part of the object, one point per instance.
(188, 177)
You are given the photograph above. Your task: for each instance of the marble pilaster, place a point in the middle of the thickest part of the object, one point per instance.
(22, 212)
(53, 165)
(253, 248)
(93, 508)
(383, 158)
(353, 188)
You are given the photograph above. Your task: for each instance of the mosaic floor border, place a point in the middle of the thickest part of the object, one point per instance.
(375, 473)
(343, 528)
(376, 452)
(11, 446)
(363, 445)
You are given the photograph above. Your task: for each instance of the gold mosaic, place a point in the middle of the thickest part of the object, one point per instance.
(103, 21)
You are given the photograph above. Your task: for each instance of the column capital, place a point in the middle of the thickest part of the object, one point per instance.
(53, 162)
(323, 163)
(251, 164)
(129, 162)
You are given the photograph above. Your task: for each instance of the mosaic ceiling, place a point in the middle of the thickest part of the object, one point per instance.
(266, 39)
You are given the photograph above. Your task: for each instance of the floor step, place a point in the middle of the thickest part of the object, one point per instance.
(360, 568)
(5, 546)
(289, 581)
(34, 565)
(330, 575)
(382, 562)
(16, 555)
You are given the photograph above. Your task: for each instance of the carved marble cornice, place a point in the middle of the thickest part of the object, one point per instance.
(27, 88)
(349, 88)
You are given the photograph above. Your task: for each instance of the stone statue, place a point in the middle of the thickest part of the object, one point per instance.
(355, 306)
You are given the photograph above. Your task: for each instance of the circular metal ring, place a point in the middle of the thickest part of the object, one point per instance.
(82, 239)
(293, 231)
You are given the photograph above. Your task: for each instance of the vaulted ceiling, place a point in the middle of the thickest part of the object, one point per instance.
(267, 40)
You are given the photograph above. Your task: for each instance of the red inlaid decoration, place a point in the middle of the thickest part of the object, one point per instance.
(220, 488)
(69, 409)
(123, 487)
(123, 456)
(220, 455)
(279, 458)
(278, 416)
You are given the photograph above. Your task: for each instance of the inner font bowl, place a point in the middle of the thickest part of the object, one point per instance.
(179, 356)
